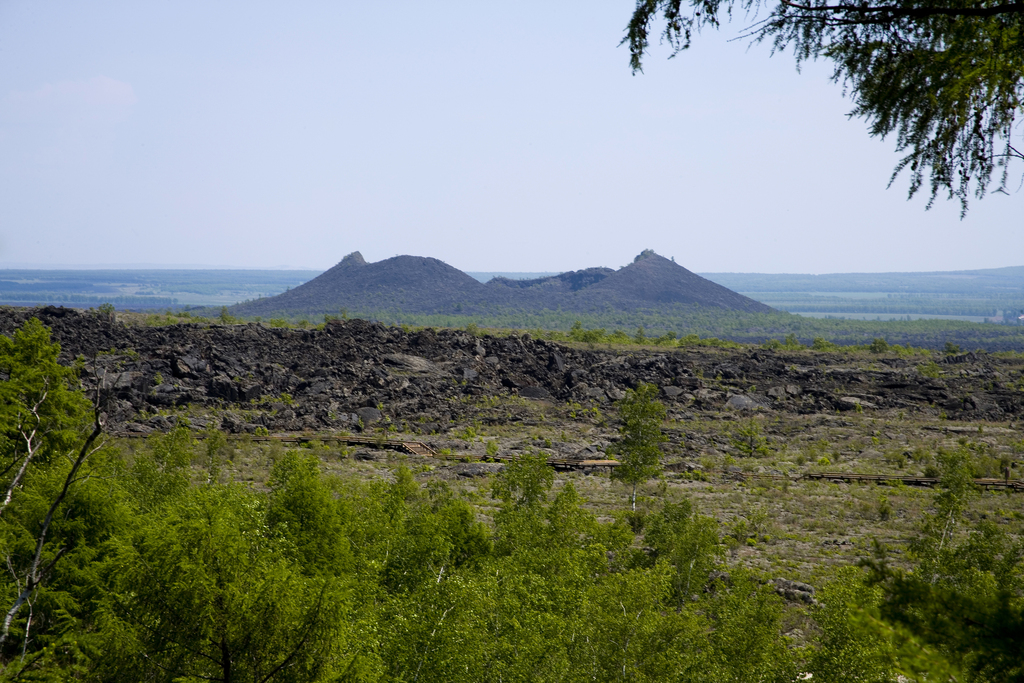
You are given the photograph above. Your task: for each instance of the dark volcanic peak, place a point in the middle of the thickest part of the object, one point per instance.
(353, 259)
(421, 285)
(652, 281)
(413, 284)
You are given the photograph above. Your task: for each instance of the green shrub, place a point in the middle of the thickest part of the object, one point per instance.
(748, 440)
(879, 345)
(822, 344)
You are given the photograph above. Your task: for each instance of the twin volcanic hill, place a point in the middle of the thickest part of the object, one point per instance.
(421, 285)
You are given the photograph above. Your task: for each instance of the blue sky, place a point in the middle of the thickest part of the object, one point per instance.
(494, 136)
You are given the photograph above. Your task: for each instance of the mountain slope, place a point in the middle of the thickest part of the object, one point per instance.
(652, 281)
(420, 285)
(414, 284)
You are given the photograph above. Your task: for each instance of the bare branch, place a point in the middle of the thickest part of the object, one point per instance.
(37, 572)
(30, 452)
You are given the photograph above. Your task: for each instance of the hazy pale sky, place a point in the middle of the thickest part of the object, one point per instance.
(494, 136)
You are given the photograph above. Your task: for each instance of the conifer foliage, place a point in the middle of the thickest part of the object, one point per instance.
(945, 77)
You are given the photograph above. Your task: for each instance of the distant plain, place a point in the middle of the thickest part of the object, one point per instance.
(974, 295)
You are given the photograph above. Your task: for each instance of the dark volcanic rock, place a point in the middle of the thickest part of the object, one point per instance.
(795, 591)
(534, 392)
(368, 415)
(339, 376)
(477, 469)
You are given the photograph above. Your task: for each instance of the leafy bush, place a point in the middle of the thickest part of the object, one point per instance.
(879, 345)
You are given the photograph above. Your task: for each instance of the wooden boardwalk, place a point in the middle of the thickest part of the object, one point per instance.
(410, 447)
(420, 448)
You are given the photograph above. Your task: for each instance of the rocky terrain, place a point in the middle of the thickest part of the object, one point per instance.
(734, 416)
(419, 285)
(352, 374)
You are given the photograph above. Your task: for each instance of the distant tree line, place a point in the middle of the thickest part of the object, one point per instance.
(687, 322)
(122, 301)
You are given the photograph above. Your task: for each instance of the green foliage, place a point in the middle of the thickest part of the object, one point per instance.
(935, 547)
(791, 343)
(746, 643)
(822, 344)
(689, 543)
(879, 345)
(52, 511)
(638, 449)
(748, 439)
(160, 472)
(229, 603)
(524, 482)
(884, 508)
(959, 612)
(41, 412)
(303, 510)
(106, 310)
(849, 651)
(578, 334)
(226, 318)
(695, 340)
(213, 443)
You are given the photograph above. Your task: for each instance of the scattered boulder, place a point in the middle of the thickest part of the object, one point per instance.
(409, 363)
(795, 591)
(741, 402)
(786, 391)
(534, 392)
(368, 455)
(368, 415)
(477, 469)
(852, 403)
(557, 362)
